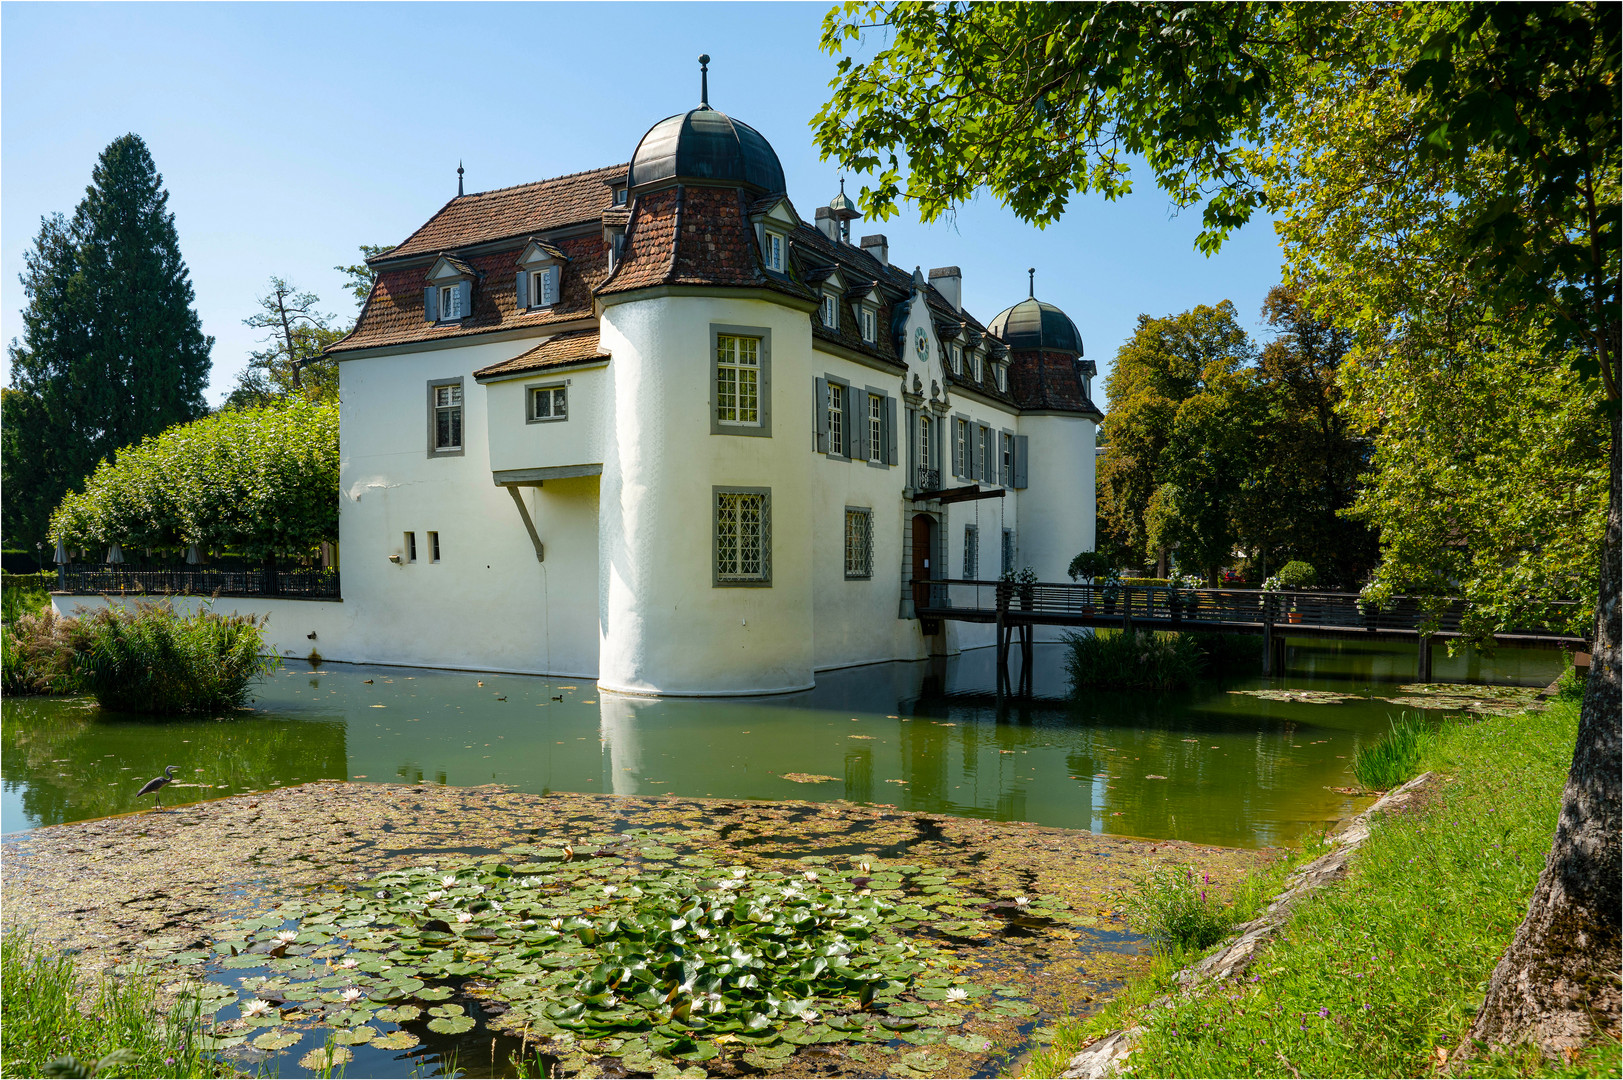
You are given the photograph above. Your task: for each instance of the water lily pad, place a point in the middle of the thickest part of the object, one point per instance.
(277, 1040)
(396, 1040)
(355, 1036)
(974, 1044)
(400, 1014)
(809, 778)
(326, 1058)
(1301, 697)
(451, 1025)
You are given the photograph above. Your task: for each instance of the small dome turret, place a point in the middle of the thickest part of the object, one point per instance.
(1032, 324)
(705, 145)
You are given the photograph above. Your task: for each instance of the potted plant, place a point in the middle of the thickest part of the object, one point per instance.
(1026, 585)
(1089, 567)
(1111, 593)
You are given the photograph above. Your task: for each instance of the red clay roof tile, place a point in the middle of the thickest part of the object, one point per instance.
(486, 216)
(570, 347)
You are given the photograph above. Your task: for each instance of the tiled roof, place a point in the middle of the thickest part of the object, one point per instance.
(693, 236)
(571, 347)
(393, 314)
(1049, 380)
(513, 211)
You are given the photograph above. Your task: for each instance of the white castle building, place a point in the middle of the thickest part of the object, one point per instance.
(648, 424)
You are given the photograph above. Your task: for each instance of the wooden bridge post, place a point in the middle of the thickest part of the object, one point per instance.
(1423, 660)
(1267, 643)
(1002, 651)
(1028, 636)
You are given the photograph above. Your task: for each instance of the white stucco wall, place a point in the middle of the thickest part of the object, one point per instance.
(664, 627)
(516, 442)
(488, 604)
(1057, 510)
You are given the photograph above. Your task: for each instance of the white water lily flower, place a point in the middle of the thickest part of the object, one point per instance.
(556, 924)
(1022, 901)
(256, 1007)
(496, 907)
(448, 880)
(351, 995)
(864, 867)
(463, 916)
(349, 962)
(531, 882)
(739, 872)
(287, 937)
(792, 894)
(810, 875)
(807, 1015)
(477, 889)
(610, 890)
(436, 894)
(957, 993)
(527, 922)
(701, 933)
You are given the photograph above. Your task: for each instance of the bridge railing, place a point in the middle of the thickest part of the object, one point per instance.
(1240, 608)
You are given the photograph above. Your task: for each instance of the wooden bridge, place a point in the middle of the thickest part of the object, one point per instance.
(1016, 609)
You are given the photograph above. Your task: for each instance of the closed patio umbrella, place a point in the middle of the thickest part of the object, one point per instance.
(61, 554)
(194, 557)
(115, 554)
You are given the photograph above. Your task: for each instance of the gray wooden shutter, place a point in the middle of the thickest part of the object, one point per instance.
(1021, 444)
(466, 289)
(989, 456)
(912, 442)
(890, 430)
(521, 292)
(856, 404)
(972, 452)
(820, 411)
(431, 304)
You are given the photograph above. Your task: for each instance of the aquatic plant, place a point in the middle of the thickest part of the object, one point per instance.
(149, 658)
(638, 953)
(1175, 908)
(1131, 660)
(37, 654)
(1395, 756)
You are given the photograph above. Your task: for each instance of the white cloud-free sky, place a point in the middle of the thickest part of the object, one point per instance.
(289, 134)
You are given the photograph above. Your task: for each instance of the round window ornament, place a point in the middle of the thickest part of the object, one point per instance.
(921, 342)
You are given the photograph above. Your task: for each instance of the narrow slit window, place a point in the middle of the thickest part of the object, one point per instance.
(972, 552)
(411, 547)
(433, 547)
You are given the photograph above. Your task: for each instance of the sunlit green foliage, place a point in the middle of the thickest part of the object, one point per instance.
(1395, 757)
(47, 1020)
(261, 481)
(148, 658)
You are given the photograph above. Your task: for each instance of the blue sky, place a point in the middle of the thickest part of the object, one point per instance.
(289, 134)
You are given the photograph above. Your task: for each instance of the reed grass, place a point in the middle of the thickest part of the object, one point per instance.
(1395, 757)
(53, 1012)
(149, 658)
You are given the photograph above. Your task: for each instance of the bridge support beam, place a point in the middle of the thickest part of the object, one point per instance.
(1423, 660)
(1269, 640)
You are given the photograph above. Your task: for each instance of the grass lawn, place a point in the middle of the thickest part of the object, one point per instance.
(1382, 974)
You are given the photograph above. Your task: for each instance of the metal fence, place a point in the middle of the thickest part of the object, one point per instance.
(1238, 608)
(294, 583)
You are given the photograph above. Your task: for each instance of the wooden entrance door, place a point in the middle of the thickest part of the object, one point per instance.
(923, 551)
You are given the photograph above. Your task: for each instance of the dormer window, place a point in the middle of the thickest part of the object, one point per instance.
(975, 364)
(868, 320)
(773, 250)
(1002, 373)
(448, 290)
(957, 355)
(544, 287)
(540, 276)
(831, 311)
(450, 302)
(619, 196)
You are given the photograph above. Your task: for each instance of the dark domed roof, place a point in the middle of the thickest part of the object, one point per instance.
(1032, 324)
(705, 144)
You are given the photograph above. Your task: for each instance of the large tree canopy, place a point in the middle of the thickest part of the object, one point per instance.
(1490, 210)
(259, 481)
(112, 349)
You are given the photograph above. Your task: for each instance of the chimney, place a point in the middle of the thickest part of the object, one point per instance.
(949, 282)
(878, 247)
(827, 223)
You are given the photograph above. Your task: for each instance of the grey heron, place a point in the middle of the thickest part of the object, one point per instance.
(153, 787)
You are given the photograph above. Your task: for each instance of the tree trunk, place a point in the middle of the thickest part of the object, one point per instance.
(1557, 985)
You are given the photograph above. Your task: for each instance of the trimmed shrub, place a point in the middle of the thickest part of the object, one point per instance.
(1089, 565)
(151, 659)
(1297, 574)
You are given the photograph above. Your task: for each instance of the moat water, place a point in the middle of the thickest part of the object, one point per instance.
(1209, 765)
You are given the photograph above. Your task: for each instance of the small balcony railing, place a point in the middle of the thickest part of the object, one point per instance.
(293, 583)
(929, 479)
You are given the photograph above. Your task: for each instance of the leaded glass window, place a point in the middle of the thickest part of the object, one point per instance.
(1008, 551)
(743, 536)
(960, 439)
(972, 552)
(738, 380)
(858, 542)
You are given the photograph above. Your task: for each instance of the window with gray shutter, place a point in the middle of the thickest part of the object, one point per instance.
(521, 290)
(431, 303)
(820, 414)
(464, 299)
(891, 457)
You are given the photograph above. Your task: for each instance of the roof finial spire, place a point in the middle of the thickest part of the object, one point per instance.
(704, 80)
(1031, 272)
(459, 179)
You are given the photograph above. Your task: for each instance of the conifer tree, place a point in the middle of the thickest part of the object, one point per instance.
(112, 347)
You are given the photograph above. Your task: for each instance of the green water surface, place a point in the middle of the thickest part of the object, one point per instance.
(1207, 766)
